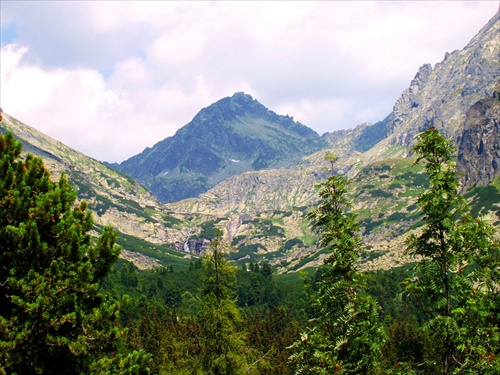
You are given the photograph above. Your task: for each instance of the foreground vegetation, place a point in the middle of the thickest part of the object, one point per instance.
(67, 305)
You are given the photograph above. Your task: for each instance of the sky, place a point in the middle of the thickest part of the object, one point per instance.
(112, 78)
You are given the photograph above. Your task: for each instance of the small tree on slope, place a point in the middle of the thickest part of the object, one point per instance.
(53, 318)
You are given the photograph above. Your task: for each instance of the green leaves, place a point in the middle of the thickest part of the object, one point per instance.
(458, 271)
(223, 347)
(346, 337)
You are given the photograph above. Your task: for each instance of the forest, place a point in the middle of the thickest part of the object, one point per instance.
(69, 305)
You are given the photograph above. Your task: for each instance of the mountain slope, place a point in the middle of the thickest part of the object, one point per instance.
(441, 96)
(232, 136)
(114, 198)
(262, 211)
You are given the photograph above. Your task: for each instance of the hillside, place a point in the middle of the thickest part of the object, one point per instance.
(114, 198)
(266, 208)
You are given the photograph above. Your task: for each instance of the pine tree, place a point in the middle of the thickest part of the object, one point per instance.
(346, 337)
(458, 276)
(223, 346)
(53, 317)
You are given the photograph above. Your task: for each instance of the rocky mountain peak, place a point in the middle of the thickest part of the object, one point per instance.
(240, 98)
(225, 108)
(441, 96)
(233, 135)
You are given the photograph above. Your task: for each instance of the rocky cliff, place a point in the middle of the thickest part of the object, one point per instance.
(442, 95)
(479, 145)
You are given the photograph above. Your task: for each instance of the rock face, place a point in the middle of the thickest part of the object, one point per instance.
(232, 136)
(442, 96)
(141, 261)
(479, 146)
(254, 192)
(360, 139)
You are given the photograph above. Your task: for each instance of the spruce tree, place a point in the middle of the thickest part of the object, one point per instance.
(53, 317)
(346, 337)
(223, 346)
(458, 277)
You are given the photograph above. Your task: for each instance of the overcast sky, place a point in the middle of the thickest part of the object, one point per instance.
(111, 78)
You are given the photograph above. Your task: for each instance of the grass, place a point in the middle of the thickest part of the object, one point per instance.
(379, 193)
(248, 250)
(484, 199)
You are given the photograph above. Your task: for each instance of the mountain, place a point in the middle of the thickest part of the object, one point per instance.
(234, 135)
(442, 96)
(459, 96)
(262, 212)
(264, 193)
(479, 145)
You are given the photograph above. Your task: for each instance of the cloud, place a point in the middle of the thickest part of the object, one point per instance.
(134, 72)
(69, 105)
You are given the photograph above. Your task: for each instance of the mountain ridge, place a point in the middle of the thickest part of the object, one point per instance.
(459, 81)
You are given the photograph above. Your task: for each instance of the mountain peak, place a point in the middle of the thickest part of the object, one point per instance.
(241, 96)
(226, 108)
(236, 134)
(441, 96)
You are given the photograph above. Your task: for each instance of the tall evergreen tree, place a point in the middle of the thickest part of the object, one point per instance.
(223, 346)
(53, 318)
(346, 337)
(458, 276)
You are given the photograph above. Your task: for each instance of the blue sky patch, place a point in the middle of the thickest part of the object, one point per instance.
(8, 34)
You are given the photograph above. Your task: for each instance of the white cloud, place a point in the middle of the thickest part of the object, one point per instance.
(61, 102)
(134, 72)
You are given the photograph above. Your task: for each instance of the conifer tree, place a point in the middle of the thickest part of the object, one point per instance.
(224, 350)
(53, 317)
(346, 337)
(458, 276)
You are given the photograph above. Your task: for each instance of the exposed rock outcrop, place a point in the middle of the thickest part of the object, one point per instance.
(442, 96)
(141, 261)
(479, 146)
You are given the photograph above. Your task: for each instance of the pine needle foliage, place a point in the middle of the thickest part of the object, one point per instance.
(53, 317)
(223, 345)
(457, 279)
(346, 337)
